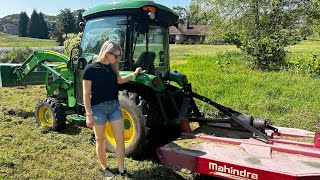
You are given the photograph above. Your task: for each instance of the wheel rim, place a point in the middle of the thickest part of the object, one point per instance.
(128, 129)
(45, 116)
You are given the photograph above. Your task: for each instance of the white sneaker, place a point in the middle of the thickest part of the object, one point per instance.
(108, 174)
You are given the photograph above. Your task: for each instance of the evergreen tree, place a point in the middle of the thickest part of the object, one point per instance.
(23, 24)
(43, 27)
(33, 25)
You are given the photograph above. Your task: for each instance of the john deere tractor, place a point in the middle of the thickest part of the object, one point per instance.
(153, 109)
(149, 104)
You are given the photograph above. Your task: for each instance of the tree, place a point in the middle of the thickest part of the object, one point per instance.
(199, 12)
(33, 25)
(262, 28)
(78, 13)
(66, 20)
(23, 24)
(57, 34)
(181, 11)
(312, 25)
(43, 27)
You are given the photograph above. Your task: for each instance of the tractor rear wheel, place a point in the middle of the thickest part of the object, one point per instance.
(50, 112)
(135, 129)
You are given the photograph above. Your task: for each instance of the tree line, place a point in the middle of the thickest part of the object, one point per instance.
(37, 27)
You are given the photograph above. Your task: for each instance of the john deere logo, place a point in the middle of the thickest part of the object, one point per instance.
(231, 172)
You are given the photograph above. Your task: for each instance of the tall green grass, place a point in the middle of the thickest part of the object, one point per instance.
(286, 99)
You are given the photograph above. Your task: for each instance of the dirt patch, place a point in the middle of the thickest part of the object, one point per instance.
(220, 132)
(253, 160)
(312, 164)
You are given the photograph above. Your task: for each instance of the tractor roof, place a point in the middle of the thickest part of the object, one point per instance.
(131, 7)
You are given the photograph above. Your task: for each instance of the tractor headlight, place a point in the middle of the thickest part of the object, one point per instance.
(151, 11)
(152, 15)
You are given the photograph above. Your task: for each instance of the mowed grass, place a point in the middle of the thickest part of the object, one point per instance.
(7, 40)
(220, 73)
(31, 152)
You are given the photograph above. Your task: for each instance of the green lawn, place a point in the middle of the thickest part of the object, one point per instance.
(7, 40)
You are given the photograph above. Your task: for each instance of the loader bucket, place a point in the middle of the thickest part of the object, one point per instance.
(8, 78)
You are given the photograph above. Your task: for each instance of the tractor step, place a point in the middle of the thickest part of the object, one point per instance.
(76, 117)
(232, 154)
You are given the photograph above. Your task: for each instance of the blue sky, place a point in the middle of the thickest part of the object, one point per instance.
(52, 7)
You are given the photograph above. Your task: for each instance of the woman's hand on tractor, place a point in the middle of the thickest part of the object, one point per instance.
(89, 120)
(137, 71)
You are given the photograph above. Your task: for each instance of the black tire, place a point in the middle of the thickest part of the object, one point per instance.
(132, 105)
(51, 112)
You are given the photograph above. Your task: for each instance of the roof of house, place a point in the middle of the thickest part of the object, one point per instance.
(189, 30)
(173, 30)
(8, 20)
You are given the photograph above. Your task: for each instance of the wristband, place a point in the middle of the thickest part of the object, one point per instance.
(87, 114)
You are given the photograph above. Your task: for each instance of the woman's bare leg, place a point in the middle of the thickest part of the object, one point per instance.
(99, 131)
(118, 132)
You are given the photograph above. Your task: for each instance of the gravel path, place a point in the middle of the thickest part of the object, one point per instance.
(54, 48)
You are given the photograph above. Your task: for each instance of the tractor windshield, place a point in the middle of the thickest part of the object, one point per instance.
(99, 30)
(150, 50)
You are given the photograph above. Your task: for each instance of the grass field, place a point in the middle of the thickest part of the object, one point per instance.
(218, 72)
(7, 40)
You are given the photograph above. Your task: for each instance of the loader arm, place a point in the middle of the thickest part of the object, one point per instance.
(62, 86)
(37, 58)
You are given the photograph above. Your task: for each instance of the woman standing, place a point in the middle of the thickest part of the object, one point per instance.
(100, 81)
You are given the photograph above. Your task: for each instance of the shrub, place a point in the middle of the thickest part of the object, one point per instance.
(71, 43)
(57, 34)
(269, 52)
(309, 66)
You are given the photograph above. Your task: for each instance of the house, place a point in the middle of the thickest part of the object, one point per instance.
(188, 33)
(10, 29)
(9, 26)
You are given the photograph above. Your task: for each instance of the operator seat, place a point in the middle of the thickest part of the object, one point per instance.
(146, 60)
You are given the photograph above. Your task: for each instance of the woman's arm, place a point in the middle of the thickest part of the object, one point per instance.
(124, 79)
(87, 104)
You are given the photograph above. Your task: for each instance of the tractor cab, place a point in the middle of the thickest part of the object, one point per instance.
(141, 31)
(139, 27)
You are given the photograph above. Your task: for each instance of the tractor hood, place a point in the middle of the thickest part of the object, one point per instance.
(132, 7)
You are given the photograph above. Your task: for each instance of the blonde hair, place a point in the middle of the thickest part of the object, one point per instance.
(109, 47)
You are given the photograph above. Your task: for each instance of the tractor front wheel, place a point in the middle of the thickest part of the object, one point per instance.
(50, 112)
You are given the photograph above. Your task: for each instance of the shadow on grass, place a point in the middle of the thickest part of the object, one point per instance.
(158, 172)
(73, 128)
(19, 112)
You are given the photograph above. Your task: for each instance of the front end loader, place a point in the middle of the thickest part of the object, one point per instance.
(159, 104)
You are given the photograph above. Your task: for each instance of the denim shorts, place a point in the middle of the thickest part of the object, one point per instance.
(106, 111)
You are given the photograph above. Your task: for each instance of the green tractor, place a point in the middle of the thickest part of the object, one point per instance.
(156, 105)
(150, 104)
